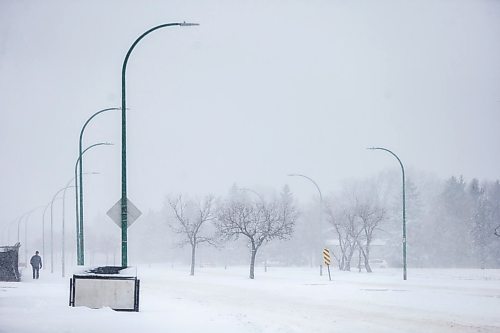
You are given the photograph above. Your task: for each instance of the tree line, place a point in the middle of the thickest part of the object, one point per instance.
(450, 223)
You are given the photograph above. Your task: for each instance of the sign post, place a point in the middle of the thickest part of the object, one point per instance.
(326, 259)
(115, 213)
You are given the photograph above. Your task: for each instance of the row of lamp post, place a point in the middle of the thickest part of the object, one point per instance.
(79, 206)
(25, 217)
(404, 202)
(124, 216)
(124, 208)
(80, 249)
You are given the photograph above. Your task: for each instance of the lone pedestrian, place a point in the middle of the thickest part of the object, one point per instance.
(36, 264)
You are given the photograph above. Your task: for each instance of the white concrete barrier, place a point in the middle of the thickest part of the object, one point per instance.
(97, 290)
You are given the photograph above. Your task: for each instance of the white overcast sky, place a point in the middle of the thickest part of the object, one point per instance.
(260, 89)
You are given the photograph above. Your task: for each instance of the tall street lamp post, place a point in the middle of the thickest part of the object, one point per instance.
(6, 235)
(79, 227)
(26, 236)
(404, 206)
(80, 257)
(320, 204)
(63, 226)
(19, 224)
(52, 227)
(19, 227)
(124, 136)
(43, 227)
(7, 227)
(26, 216)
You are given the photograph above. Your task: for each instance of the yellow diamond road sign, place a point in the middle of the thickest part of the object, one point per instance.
(326, 256)
(115, 213)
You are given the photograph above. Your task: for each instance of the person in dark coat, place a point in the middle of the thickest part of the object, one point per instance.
(36, 264)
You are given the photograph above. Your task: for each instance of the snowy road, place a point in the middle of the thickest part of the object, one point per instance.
(281, 300)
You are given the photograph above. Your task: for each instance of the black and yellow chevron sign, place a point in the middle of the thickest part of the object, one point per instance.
(326, 256)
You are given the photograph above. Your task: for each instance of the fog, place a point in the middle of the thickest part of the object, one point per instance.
(259, 90)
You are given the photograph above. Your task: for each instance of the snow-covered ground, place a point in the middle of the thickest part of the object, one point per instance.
(281, 300)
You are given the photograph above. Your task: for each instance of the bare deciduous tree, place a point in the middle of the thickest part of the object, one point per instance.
(355, 217)
(259, 221)
(190, 217)
(348, 230)
(370, 215)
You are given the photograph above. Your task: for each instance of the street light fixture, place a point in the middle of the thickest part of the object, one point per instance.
(124, 218)
(311, 180)
(404, 205)
(79, 223)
